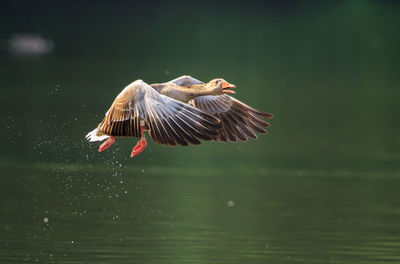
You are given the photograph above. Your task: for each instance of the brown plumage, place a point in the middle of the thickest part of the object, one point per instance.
(180, 112)
(238, 120)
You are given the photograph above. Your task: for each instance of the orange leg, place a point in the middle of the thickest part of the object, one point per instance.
(107, 144)
(140, 146)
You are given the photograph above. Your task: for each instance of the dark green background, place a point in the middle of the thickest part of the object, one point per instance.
(321, 186)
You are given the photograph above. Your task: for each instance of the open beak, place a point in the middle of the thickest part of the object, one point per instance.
(226, 86)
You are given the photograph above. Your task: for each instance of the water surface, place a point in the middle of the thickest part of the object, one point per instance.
(167, 215)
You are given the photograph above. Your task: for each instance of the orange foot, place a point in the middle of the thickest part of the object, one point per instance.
(139, 147)
(107, 144)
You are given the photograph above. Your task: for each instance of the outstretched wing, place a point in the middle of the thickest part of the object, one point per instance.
(238, 120)
(170, 122)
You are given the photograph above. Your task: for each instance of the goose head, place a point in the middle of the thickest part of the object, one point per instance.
(220, 86)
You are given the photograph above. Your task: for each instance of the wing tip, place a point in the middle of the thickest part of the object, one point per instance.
(267, 115)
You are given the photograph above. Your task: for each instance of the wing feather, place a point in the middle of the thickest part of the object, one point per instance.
(239, 121)
(185, 80)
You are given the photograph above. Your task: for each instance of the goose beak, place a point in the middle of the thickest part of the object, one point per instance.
(226, 86)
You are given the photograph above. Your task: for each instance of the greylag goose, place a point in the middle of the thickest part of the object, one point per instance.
(182, 111)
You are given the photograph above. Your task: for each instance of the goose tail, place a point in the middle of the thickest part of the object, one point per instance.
(95, 135)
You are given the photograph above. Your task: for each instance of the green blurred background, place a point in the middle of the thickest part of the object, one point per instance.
(320, 187)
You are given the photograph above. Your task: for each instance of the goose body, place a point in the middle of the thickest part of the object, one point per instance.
(179, 112)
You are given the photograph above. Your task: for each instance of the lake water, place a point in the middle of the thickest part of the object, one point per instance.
(321, 187)
(65, 214)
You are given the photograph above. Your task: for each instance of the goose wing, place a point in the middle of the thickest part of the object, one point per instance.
(185, 80)
(170, 122)
(238, 120)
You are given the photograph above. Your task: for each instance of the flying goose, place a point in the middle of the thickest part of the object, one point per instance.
(182, 111)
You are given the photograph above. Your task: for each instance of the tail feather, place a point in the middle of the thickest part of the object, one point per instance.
(92, 136)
